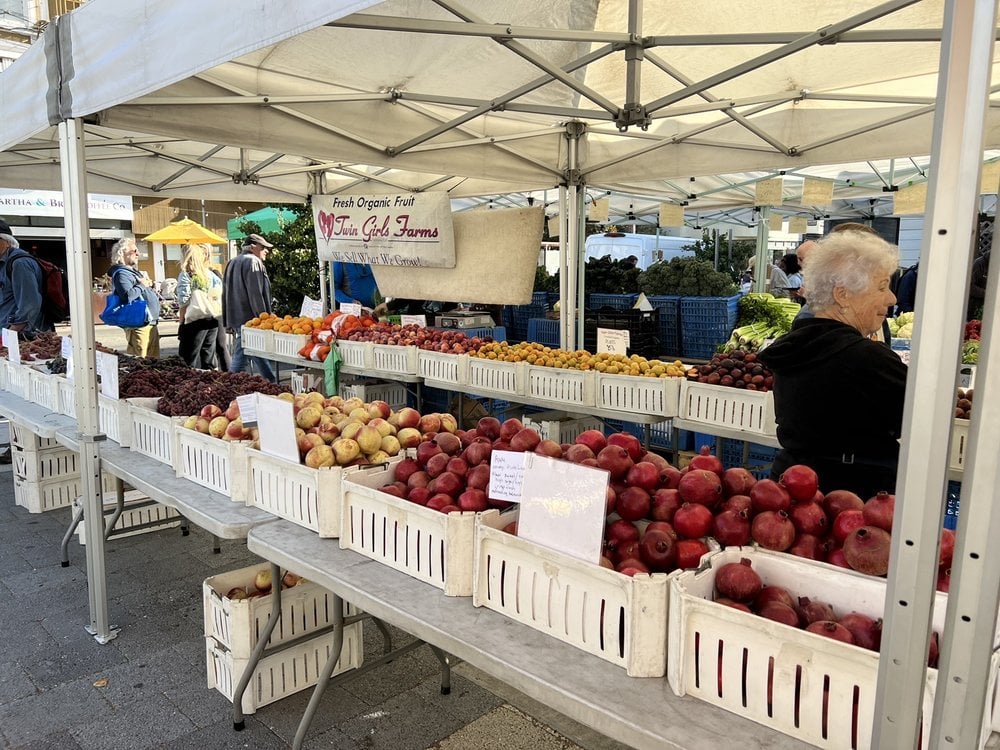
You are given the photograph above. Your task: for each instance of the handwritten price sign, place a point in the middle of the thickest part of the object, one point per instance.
(612, 341)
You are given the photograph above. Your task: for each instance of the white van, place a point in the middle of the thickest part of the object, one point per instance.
(648, 248)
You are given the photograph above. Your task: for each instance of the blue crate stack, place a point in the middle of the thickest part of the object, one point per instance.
(516, 319)
(759, 459)
(706, 322)
(597, 300)
(951, 506)
(670, 323)
(544, 331)
(659, 436)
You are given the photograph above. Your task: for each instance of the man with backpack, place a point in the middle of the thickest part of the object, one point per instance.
(21, 299)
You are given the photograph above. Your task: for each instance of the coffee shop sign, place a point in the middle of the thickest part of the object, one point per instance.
(412, 229)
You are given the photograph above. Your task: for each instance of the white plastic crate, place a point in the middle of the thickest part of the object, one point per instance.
(356, 354)
(966, 376)
(288, 344)
(636, 395)
(51, 494)
(66, 390)
(805, 685)
(217, 464)
(303, 381)
(734, 408)
(442, 367)
(35, 466)
(159, 517)
(152, 434)
(959, 441)
(19, 380)
(308, 497)
(283, 673)
(256, 339)
(114, 419)
(491, 376)
(568, 387)
(560, 426)
(22, 437)
(619, 618)
(399, 360)
(236, 624)
(44, 389)
(433, 547)
(394, 394)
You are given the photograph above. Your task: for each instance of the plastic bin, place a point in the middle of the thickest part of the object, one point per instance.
(597, 300)
(544, 331)
(706, 323)
(516, 319)
(670, 323)
(643, 327)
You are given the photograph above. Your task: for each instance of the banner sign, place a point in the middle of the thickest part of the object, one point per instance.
(410, 229)
(50, 203)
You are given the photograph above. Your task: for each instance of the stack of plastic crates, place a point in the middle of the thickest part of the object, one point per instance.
(597, 300)
(759, 457)
(516, 319)
(670, 324)
(659, 432)
(544, 331)
(706, 322)
(643, 327)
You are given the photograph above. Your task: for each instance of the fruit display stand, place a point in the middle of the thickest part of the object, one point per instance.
(42, 495)
(67, 397)
(219, 465)
(442, 367)
(798, 683)
(25, 439)
(151, 433)
(138, 515)
(288, 344)
(626, 393)
(394, 394)
(615, 617)
(114, 419)
(727, 412)
(257, 339)
(18, 380)
(561, 387)
(43, 389)
(487, 377)
(434, 547)
(559, 426)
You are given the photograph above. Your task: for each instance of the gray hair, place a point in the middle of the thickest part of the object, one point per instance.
(118, 251)
(848, 259)
(9, 239)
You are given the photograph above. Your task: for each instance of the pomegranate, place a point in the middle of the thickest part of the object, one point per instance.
(801, 482)
(621, 531)
(525, 441)
(629, 442)
(419, 495)
(450, 484)
(737, 502)
(393, 489)
(549, 448)
(774, 594)
(425, 450)
(813, 611)
(731, 528)
(866, 631)
(658, 550)
(701, 487)
(489, 427)
(439, 501)
(644, 475)
(819, 497)
(878, 511)
(656, 459)
(632, 503)
(473, 500)
(437, 464)
(577, 453)
(726, 602)
(773, 530)
(626, 550)
(448, 442)
(705, 461)
(692, 521)
(808, 546)
(809, 518)
(933, 651)
(592, 439)
(615, 460)
(831, 630)
(664, 504)
(478, 453)
(738, 581)
(845, 522)
(944, 580)
(867, 550)
(670, 477)
(689, 552)
(769, 495)
(611, 500)
(478, 477)
(840, 500)
(779, 612)
(947, 549)
(418, 479)
(632, 567)
(458, 465)
(737, 481)
(508, 429)
(405, 468)
(835, 556)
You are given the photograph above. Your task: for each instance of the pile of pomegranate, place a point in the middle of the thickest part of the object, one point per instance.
(739, 586)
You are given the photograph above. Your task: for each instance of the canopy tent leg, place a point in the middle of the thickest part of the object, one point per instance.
(958, 139)
(74, 183)
(566, 305)
(762, 260)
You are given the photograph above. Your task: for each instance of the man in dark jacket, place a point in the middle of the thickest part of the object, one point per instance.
(246, 293)
(20, 287)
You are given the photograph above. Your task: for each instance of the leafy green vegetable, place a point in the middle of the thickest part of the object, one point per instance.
(685, 277)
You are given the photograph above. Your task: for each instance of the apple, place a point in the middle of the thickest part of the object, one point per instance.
(383, 426)
(350, 429)
(408, 437)
(210, 411)
(448, 423)
(319, 456)
(351, 404)
(190, 422)
(369, 439)
(360, 414)
(430, 423)
(217, 426)
(201, 425)
(379, 409)
(290, 579)
(345, 450)
(308, 416)
(237, 593)
(378, 457)
(262, 581)
(390, 444)
(309, 441)
(236, 430)
(407, 417)
(233, 411)
(328, 431)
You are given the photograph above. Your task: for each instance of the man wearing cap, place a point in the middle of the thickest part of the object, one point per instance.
(246, 293)
(20, 287)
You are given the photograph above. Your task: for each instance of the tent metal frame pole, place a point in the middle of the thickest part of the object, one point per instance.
(763, 255)
(580, 216)
(565, 306)
(74, 183)
(946, 251)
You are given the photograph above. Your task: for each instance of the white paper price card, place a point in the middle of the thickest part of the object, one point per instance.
(413, 320)
(13, 346)
(507, 475)
(612, 341)
(107, 367)
(563, 506)
(276, 424)
(311, 308)
(66, 349)
(350, 308)
(248, 409)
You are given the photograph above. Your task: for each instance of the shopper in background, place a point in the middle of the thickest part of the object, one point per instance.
(977, 286)
(196, 335)
(20, 288)
(906, 290)
(246, 293)
(790, 265)
(128, 284)
(354, 283)
(779, 279)
(838, 395)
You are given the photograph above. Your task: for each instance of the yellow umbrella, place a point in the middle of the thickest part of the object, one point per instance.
(185, 232)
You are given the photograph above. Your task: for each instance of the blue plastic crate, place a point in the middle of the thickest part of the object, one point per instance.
(617, 301)
(670, 323)
(516, 320)
(759, 457)
(544, 331)
(659, 434)
(951, 505)
(706, 322)
(540, 298)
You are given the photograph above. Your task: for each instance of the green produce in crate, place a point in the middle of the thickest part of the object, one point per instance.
(970, 352)
(685, 277)
(761, 307)
(751, 337)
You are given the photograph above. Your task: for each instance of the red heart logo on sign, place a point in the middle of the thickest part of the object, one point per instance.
(326, 225)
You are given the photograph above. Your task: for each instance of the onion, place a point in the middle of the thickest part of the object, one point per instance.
(738, 581)
(867, 550)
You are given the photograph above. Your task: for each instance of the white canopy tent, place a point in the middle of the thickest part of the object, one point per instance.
(519, 96)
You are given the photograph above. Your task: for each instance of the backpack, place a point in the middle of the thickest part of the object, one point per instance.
(55, 291)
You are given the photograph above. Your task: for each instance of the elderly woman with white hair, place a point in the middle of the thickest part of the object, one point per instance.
(838, 395)
(20, 288)
(128, 283)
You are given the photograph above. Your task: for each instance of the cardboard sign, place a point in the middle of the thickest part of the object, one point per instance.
(350, 308)
(276, 424)
(563, 506)
(311, 308)
(107, 368)
(66, 349)
(13, 346)
(612, 341)
(407, 230)
(413, 320)
(507, 475)
(248, 409)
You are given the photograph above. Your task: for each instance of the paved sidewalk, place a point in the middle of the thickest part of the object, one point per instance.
(61, 690)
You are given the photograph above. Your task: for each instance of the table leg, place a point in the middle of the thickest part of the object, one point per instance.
(119, 508)
(258, 649)
(216, 545)
(445, 660)
(77, 517)
(386, 635)
(337, 605)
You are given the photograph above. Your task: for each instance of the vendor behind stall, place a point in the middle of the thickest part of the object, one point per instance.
(838, 396)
